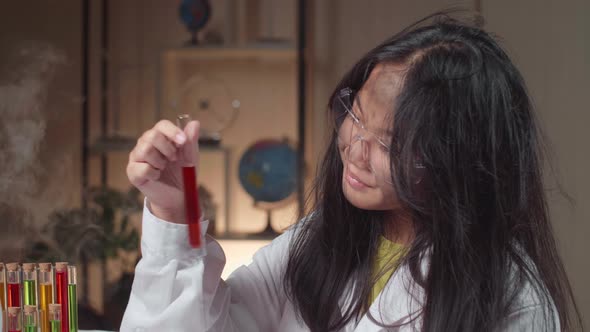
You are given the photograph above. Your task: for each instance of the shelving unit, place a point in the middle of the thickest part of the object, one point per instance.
(259, 52)
(249, 72)
(107, 149)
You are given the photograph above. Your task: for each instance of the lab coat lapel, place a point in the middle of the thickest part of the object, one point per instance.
(399, 303)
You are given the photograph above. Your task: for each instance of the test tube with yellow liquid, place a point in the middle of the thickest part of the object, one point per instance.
(45, 294)
(2, 287)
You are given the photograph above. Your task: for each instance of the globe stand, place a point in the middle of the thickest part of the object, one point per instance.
(194, 41)
(268, 231)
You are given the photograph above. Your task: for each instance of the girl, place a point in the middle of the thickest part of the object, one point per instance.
(429, 210)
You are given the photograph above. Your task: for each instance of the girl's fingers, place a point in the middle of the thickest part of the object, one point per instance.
(146, 152)
(139, 173)
(172, 132)
(158, 140)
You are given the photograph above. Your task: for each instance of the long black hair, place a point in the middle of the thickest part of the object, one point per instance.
(479, 212)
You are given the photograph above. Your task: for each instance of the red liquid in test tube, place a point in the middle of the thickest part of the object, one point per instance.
(191, 193)
(13, 283)
(191, 199)
(13, 296)
(61, 293)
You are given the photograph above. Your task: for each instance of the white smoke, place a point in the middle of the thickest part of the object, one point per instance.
(23, 111)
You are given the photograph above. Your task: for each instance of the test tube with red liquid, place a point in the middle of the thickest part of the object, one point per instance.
(191, 192)
(61, 292)
(13, 284)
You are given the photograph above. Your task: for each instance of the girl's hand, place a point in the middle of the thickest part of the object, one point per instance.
(155, 167)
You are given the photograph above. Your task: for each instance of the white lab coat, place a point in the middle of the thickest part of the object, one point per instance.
(177, 288)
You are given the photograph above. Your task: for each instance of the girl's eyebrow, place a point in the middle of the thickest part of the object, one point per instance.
(388, 132)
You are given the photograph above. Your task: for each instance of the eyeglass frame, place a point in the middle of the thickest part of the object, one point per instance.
(355, 119)
(357, 122)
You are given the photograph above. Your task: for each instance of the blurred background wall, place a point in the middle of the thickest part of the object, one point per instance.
(41, 78)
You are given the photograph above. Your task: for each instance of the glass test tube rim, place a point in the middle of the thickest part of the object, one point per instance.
(30, 310)
(55, 308)
(14, 311)
(53, 312)
(13, 269)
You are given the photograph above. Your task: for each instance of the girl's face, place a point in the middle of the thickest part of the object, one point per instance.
(364, 142)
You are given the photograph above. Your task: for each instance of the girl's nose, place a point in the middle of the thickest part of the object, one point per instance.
(358, 152)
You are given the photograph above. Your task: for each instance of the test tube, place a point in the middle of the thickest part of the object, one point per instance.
(2, 291)
(55, 317)
(191, 192)
(3, 306)
(45, 294)
(72, 299)
(30, 319)
(13, 319)
(13, 283)
(2, 287)
(29, 284)
(61, 292)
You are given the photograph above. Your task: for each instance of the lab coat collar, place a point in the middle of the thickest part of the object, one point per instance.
(399, 304)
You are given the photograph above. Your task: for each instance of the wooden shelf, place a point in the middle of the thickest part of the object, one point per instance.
(263, 52)
(117, 143)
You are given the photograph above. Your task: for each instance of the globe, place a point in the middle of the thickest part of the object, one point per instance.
(194, 14)
(268, 173)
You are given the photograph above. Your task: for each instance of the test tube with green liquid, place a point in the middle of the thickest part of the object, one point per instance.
(30, 319)
(72, 299)
(55, 317)
(29, 284)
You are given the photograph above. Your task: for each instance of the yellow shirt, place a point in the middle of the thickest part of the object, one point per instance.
(388, 256)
